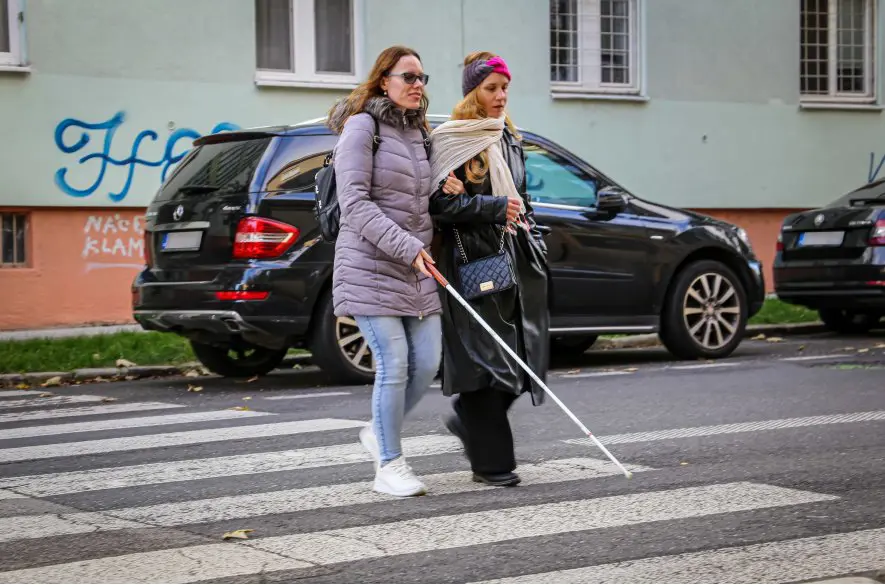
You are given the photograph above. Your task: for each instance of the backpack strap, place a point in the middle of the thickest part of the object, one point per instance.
(376, 138)
(426, 141)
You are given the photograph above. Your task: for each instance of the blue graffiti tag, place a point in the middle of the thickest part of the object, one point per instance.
(109, 127)
(873, 174)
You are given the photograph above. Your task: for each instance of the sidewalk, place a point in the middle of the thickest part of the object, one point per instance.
(61, 332)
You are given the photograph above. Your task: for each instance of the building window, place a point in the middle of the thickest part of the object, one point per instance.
(10, 11)
(308, 42)
(594, 46)
(13, 239)
(838, 57)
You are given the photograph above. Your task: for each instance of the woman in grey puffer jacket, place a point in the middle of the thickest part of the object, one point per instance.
(379, 276)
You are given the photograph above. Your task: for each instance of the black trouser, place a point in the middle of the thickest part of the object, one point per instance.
(489, 441)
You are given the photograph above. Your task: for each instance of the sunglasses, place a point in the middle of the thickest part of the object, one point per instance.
(410, 78)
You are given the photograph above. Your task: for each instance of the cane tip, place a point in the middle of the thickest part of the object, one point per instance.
(628, 475)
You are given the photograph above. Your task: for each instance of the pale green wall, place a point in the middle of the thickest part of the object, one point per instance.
(725, 70)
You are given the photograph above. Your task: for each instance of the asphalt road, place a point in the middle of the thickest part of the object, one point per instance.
(765, 467)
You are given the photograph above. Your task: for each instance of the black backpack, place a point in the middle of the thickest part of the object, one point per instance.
(328, 213)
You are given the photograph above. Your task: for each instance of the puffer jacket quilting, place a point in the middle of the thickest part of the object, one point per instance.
(385, 218)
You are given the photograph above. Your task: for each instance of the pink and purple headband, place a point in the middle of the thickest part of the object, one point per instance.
(476, 72)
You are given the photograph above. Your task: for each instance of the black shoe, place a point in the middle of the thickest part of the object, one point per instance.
(454, 426)
(497, 479)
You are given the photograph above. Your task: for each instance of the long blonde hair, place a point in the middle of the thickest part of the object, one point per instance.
(469, 108)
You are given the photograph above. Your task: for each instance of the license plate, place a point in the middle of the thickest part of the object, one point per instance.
(821, 238)
(181, 241)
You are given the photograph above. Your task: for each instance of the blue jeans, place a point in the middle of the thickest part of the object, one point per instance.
(407, 353)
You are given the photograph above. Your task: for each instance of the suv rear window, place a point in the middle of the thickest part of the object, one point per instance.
(226, 166)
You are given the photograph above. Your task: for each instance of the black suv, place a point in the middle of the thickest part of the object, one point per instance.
(236, 264)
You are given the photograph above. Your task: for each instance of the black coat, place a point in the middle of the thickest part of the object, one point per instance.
(472, 358)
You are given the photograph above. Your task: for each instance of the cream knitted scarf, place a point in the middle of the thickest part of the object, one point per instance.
(457, 141)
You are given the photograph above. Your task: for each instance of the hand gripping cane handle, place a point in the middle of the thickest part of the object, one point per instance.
(445, 284)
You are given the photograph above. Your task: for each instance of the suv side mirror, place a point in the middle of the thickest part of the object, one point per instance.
(611, 201)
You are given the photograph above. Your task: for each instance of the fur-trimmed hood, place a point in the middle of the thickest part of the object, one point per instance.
(381, 108)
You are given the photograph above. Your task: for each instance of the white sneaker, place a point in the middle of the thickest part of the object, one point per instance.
(370, 443)
(397, 479)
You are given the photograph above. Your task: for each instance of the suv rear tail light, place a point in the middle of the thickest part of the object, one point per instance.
(877, 237)
(780, 242)
(259, 237)
(148, 252)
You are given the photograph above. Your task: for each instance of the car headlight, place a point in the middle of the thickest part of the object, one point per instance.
(742, 234)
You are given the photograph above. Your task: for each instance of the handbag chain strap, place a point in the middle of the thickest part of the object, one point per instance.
(461, 246)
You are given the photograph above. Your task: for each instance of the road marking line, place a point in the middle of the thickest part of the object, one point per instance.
(745, 427)
(115, 445)
(104, 409)
(817, 557)
(805, 358)
(127, 423)
(8, 495)
(284, 501)
(198, 563)
(595, 374)
(300, 396)
(11, 393)
(52, 401)
(72, 482)
(706, 366)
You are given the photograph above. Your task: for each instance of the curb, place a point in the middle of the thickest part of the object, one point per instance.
(118, 374)
(139, 372)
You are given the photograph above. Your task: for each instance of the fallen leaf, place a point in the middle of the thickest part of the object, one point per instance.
(242, 533)
(863, 350)
(252, 379)
(847, 349)
(121, 363)
(801, 348)
(108, 399)
(53, 381)
(192, 374)
(572, 372)
(759, 337)
(631, 369)
(775, 339)
(22, 386)
(240, 408)
(684, 463)
(191, 388)
(247, 398)
(46, 395)
(130, 378)
(879, 346)
(96, 356)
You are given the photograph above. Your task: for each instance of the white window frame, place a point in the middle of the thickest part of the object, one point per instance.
(590, 44)
(12, 58)
(834, 96)
(304, 52)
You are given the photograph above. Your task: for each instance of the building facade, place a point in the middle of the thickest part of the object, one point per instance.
(743, 109)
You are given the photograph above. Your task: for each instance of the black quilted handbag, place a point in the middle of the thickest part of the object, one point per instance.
(484, 276)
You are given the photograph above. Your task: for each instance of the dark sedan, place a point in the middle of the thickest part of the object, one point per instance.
(832, 259)
(236, 263)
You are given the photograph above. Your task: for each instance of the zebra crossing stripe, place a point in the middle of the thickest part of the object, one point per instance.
(104, 409)
(71, 482)
(229, 560)
(8, 495)
(746, 427)
(283, 502)
(128, 423)
(809, 558)
(173, 439)
(51, 401)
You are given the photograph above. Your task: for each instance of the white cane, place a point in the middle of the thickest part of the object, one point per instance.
(445, 284)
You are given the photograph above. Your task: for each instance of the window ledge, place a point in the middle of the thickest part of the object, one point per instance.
(845, 106)
(263, 80)
(589, 95)
(21, 69)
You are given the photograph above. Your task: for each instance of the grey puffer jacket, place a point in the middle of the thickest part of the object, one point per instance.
(385, 220)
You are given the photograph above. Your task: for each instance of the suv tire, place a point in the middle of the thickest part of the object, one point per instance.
(327, 352)
(219, 360)
(705, 314)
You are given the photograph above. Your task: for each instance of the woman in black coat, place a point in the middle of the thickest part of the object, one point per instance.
(484, 377)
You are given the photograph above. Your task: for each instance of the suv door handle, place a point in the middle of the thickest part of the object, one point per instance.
(544, 229)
